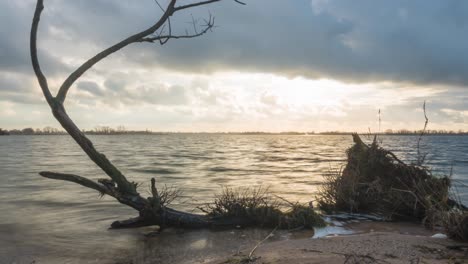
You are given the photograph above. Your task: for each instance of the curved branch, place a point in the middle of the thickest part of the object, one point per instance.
(170, 10)
(135, 201)
(87, 146)
(125, 192)
(33, 50)
(178, 8)
(56, 103)
(103, 54)
(77, 179)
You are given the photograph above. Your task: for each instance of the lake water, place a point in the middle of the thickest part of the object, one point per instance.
(51, 221)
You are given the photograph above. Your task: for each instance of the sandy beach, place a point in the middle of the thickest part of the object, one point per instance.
(378, 247)
(372, 243)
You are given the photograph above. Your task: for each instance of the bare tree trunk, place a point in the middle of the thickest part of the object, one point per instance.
(151, 211)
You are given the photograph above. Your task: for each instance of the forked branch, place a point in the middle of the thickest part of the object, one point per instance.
(152, 210)
(169, 11)
(103, 54)
(164, 38)
(56, 103)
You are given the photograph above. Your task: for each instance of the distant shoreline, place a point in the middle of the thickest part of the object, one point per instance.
(121, 130)
(239, 133)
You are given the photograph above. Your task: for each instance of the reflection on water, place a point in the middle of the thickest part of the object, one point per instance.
(41, 217)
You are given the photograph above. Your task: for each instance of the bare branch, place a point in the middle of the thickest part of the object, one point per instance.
(164, 38)
(33, 49)
(56, 104)
(421, 158)
(61, 115)
(159, 5)
(169, 11)
(125, 192)
(194, 24)
(178, 8)
(239, 2)
(164, 41)
(77, 179)
(103, 54)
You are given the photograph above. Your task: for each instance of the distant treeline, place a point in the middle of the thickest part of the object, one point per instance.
(101, 130)
(120, 130)
(402, 132)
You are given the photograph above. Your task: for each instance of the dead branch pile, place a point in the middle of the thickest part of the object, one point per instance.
(376, 181)
(257, 207)
(456, 225)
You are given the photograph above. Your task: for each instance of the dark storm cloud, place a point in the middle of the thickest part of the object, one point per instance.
(421, 41)
(15, 21)
(415, 41)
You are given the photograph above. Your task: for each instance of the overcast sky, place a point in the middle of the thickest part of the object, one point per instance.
(272, 65)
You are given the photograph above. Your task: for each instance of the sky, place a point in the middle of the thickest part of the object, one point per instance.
(271, 65)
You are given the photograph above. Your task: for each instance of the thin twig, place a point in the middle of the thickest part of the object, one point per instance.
(422, 158)
(261, 242)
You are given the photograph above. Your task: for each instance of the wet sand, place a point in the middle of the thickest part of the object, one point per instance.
(371, 242)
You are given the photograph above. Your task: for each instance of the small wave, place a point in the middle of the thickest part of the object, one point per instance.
(46, 203)
(222, 169)
(156, 171)
(273, 158)
(195, 157)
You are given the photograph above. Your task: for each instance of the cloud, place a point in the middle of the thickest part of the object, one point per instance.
(129, 90)
(6, 109)
(270, 60)
(18, 88)
(14, 41)
(419, 42)
(360, 41)
(91, 87)
(455, 115)
(162, 95)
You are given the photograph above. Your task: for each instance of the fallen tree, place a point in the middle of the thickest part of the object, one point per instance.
(154, 210)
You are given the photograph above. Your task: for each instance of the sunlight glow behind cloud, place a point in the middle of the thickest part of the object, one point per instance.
(327, 65)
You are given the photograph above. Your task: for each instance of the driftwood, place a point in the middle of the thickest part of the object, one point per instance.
(151, 210)
(246, 209)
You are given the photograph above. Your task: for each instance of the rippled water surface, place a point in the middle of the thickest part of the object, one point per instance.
(61, 222)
